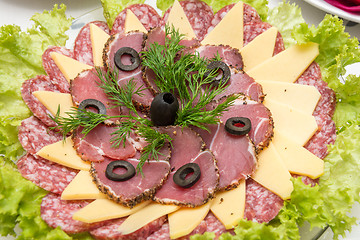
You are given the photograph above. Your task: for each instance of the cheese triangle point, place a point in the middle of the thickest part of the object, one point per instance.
(132, 23)
(98, 40)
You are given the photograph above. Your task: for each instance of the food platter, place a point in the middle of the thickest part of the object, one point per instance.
(97, 15)
(327, 7)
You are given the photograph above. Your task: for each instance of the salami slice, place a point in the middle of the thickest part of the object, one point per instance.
(82, 45)
(52, 70)
(145, 13)
(45, 174)
(58, 213)
(199, 14)
(38, 83)
(110, 230)
(34, 135)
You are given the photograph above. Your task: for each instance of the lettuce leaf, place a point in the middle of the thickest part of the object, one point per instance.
(112, 8)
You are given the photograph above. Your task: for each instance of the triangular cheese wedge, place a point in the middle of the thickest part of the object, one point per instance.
(82, 187)
(259, 49)
(63, 153)
(183, 221)
(132, 23)
(286, 66)
(105, 209)
(179, 20)
(69, 66)
(296, 158)
(272, 173)
(55, 101)
(229, 31)
(224, 208)
(98, 40)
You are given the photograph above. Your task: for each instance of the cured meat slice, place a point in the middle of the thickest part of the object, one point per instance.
(139, 188)
(38, 83)
(45, 174)
(145, 13)
(58, 213)
(56, 76)
(88, 85)
(134, 40)
(253, 29)
(187, 148)
(110, 230)
(98, 143)
(199, 14)
(261, 205)
(34, 135)
(83, 46)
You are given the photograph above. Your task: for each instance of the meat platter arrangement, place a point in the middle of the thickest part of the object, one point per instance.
(196, 124)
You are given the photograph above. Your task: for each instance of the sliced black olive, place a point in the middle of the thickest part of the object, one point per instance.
(222, 77)
(130, 171)
(135, 59)
(244, 128)
(99, 106)
(180, 177)
(163, 109)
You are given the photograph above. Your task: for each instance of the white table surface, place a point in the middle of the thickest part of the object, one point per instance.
(19, 12)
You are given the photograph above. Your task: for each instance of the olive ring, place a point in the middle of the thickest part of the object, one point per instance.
(180, 178)
(230, 125)
(219, 79)
(130, 171)
(135, 59)
(100, 107)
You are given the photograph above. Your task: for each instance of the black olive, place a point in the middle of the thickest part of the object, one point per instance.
(180, 175)
(230, 125)
(163, 109)
(130, 171)
(99, 106)
(135, 59)
(222, 77)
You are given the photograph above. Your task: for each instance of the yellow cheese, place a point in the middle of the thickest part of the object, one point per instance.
(132, 23)
(297, 125)
(272, 173)
(98, 39)
(105, 209)
(224, 208)
(146, 215)
(301, 97)
(286, 66)
(82, 187)
(63, 153)
(259, 49)
(185, 220)
(55, 101)
(68, 66)
(179, 20)
(229, 31)
(298, 159)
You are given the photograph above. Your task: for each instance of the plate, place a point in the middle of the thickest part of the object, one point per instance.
(327, 7)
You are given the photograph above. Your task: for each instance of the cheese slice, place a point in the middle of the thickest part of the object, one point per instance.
(69, 66)
(296, 158)
(105, 209)
(132, 23)
(63, 153)
(185, 220)
(294, 124)
(259, 49)
(82, 187)
(55, 101)
(146, 215)
(224, 208)
(179, 20)
(301, 97)
(98, 40)
(286, 66)
(272, 173)
(229, 31)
